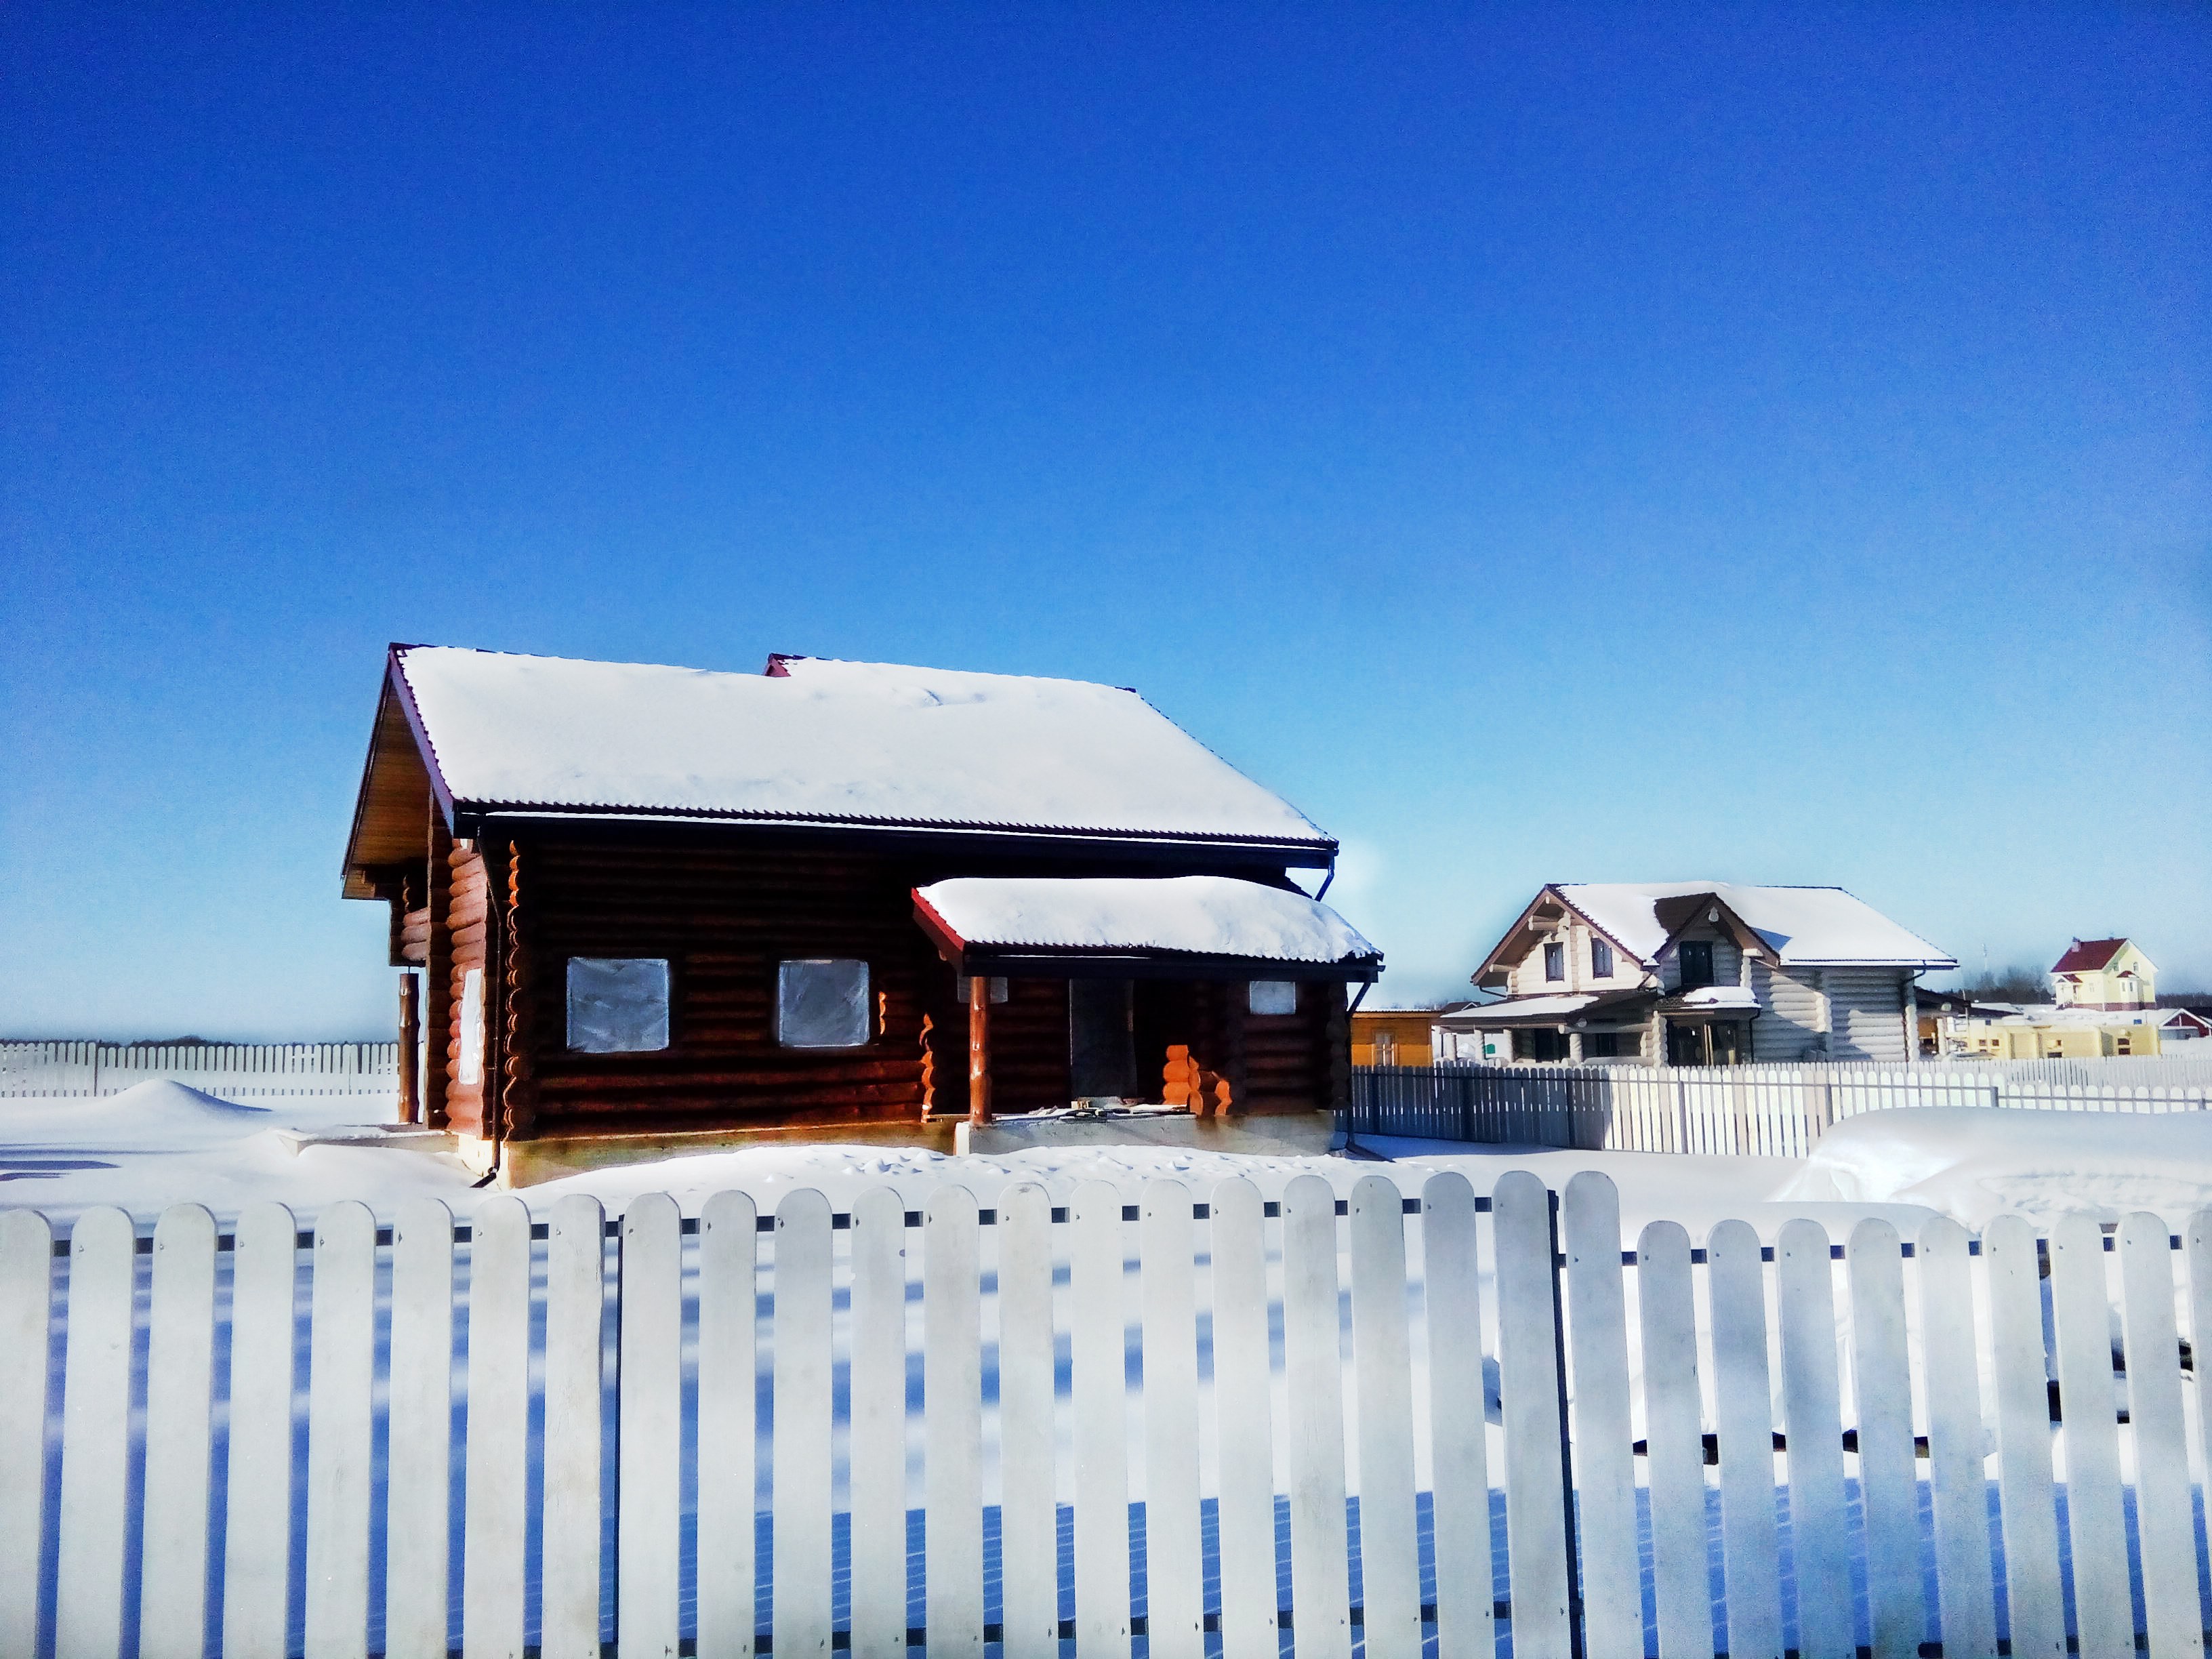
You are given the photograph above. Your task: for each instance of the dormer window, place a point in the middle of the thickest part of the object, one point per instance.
(1555, 962)
(1696, 955)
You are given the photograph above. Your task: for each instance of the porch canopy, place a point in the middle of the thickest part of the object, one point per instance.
(1135, 927)
(1558, 1011)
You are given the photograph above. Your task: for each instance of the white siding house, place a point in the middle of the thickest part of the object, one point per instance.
(1697, 973)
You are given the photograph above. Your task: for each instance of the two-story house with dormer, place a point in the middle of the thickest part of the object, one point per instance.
(1695, 973)
(2105, 974)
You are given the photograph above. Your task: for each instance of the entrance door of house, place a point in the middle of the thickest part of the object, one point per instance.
(1706, 1042)
(1102, 1051)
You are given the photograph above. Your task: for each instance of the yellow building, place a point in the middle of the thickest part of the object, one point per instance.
(1392, 1036)
(2049, 1032)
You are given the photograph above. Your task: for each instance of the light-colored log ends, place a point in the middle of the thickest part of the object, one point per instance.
(1186, 1082)
(979, 1049)
(928, 1067)
(519, 1093)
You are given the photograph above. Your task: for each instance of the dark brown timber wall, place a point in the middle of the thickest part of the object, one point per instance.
(725, 917)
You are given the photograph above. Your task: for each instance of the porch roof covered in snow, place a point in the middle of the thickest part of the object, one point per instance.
(1560, 1009)
(872, 747)
(1134, 927)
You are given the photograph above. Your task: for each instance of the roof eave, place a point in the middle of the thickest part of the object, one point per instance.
(469, 817)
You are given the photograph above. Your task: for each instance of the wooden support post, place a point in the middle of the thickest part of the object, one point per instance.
(978, 1049)
(411, 1044)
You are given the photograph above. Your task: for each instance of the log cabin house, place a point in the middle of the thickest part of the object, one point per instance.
(644, 909)
(1696, 973)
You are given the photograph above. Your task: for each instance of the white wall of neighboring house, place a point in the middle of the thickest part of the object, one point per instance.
(1792, 1021)
(1866, 1010)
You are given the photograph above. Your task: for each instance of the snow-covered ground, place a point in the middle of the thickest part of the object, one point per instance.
(162, 1143)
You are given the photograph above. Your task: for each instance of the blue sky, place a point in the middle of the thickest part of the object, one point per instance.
(1767, 444)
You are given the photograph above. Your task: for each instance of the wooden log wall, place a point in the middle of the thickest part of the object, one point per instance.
(1289, 1059)
(724, 920)
(437, 965)
(471, 923)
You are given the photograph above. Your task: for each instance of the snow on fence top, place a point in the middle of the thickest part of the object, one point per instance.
(1205, 915)
(869, 743)
(1803, 926)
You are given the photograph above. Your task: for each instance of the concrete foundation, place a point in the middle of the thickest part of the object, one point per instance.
(533, 1162)
(1288, 1134)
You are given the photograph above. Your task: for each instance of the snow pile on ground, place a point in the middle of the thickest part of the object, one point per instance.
(148, 1116)
(1977, 1162)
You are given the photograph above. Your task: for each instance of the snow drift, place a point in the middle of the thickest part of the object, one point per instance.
(1977, 1162)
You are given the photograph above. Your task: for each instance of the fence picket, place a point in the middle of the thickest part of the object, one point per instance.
(26, 1293)
(1605, 1473)
(1174, 1588)
(1959, 1490)
(952, 1386)
(1667, 1312)
(179, 1401)
(876, 1442)
(257, 1533)
(1029, 1521)
(2026, 1497)
(418, 1528)
(575, 1416)
(729, 1239)
(2081, 1317)
(1245, 1509)
(1813, 1426)
(1389, 1545)
(1882, 1389)
(95, 1436)
(2166, 1528)
(1529, 1389)
(342, 1369)
(1460, 1454)
(1097, 1328)
(1313, 1375)
(651, 1426)
(498, 1429)
(799, 1600)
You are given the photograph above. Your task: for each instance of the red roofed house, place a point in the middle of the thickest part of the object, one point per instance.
(653, 910)
(2105, 974)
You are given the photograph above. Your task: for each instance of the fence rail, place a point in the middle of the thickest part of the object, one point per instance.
(237, 1072)
(1779, 1110)
(698, 1486)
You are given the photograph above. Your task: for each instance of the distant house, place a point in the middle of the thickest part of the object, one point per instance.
(2183, 1025)
(653, 908)
(2104, 974)
(1392, 1036)
(1695, 973)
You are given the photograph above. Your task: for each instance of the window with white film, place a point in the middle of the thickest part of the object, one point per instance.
(1273, 996)
(822, 1003)
(472, 1026)
(617, 1004)
(997, 989)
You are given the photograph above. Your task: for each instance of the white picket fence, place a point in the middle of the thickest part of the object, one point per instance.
(1779, 1110)
(713, 1427)
(237, 1072)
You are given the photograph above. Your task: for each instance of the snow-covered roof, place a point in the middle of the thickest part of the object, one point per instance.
(1735, 998)
(2086, 956)
(863, 743)
(1811, 926)
(1196, 916)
